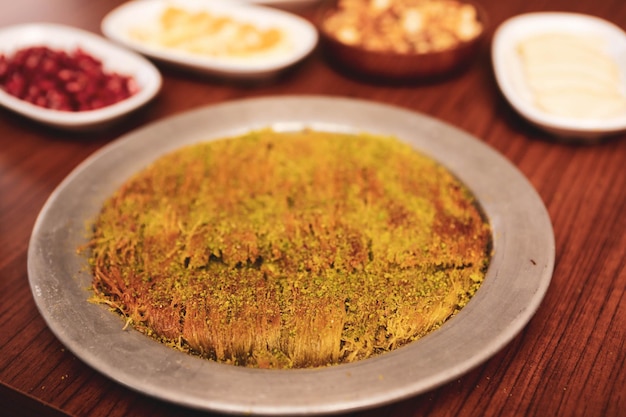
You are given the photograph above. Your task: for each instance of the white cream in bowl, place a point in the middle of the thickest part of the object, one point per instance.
(564, 72)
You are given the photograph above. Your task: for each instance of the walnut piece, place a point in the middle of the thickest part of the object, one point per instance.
(403, 26)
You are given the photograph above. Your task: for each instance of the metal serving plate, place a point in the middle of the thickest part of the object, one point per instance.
(516, 282)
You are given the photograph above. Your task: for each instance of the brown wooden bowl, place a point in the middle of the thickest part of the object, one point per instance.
(393, 65)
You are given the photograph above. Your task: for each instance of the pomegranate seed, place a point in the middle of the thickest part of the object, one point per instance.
(67, 81)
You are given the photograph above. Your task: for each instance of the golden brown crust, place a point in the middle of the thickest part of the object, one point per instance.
(290, 249)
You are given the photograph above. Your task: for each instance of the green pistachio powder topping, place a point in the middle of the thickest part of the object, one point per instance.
(289, 250)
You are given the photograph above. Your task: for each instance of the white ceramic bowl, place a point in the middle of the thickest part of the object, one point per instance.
(301, 34)
(510, 78)
(283, 4)
(114, 59)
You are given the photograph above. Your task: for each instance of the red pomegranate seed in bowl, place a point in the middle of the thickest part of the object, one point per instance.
(61, 80)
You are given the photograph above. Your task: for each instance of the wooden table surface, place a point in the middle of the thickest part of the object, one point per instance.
(568, 361)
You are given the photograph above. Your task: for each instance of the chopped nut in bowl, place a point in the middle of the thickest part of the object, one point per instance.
(401, 38)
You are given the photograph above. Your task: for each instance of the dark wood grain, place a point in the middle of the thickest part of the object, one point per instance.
(568, 361)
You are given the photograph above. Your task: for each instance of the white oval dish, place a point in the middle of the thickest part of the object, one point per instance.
(283, 4)
(114, 59)
(276, 3)
(509, 74)
(301, 34)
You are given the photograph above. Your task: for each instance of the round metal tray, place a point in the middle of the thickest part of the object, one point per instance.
(516, 281)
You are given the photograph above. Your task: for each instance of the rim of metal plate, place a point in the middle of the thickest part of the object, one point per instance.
(516, 282)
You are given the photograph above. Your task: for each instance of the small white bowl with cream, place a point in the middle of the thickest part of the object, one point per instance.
(220, 38)
(564, 72)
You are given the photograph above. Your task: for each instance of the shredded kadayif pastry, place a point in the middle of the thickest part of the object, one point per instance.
(290, 250)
